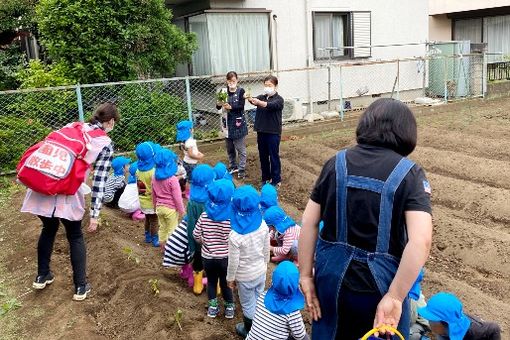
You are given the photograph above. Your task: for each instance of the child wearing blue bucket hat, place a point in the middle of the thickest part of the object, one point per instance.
(419, 326)
(189, 146)
(166, 194)
(268, 197)
(248, 252)
(221, 172)
(449, 322)
(116, 182)
(285, 232)
(278, 313)
(212, 231)
(145, 153)
(129, 201)
(202, 176)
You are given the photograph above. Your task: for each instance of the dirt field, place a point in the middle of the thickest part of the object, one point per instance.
(465, 152)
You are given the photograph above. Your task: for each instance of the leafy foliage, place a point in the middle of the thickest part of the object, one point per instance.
(107, 40)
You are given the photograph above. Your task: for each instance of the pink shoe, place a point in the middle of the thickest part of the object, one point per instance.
(138, 216)
(191, 281)
(185, 271)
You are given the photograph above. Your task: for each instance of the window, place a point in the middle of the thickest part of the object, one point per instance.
(333, 30)
(330, 33)
(468, 29)
(231, 41)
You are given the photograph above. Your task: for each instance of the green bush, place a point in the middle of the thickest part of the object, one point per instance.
(17, 135)
(147, 112)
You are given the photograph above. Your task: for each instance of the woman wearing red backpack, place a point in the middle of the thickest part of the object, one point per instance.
(70, 209)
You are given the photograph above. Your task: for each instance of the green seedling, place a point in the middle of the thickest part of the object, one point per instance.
(178, 318)
(154, 286)
(9, 305)
(131, 256)
(222, 96)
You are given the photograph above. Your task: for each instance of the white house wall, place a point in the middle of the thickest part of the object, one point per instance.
(392, 22)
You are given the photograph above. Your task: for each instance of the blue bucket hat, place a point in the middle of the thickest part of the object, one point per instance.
(221, 171)
(415, 291)
(118, 164)
(218, 206)
(284, 296)
(446, 307)
(166, 164)
(246, 216)
(183, 130)
(276, 217)
(145, 153)
(201, 177)
(132, 172)
(268, 197)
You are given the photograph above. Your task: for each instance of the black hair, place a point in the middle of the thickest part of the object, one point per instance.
(271, 79)
(105, 112)
(231, 75)
(388, 123)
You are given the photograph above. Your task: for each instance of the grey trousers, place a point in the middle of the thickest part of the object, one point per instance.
(236, 147)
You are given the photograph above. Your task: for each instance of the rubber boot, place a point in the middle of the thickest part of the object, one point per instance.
(243, 328)
(198, 286)
(155, 240)
(148, 238)
(185, 271)
(218, 289)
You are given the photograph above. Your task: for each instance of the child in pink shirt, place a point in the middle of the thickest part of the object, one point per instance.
(166, 194)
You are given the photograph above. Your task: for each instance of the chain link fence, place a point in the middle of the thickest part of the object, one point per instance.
(150, 109)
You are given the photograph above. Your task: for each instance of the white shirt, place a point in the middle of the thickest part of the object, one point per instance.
(190, 146)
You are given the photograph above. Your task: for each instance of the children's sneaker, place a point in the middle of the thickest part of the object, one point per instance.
(42, 280)
(155, 240)
(138, 216)
(213, 309)
(241, 174)
(148, 238)
(233, 170)
(81, 292)
(229, 310)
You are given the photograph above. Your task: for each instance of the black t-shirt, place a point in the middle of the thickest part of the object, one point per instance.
(413, 194)
(269, 119)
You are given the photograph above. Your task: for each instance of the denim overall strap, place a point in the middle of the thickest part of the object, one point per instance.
(341, 197)
(386, 207)
(365, 183)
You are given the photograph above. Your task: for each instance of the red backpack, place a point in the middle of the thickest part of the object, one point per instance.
(56, 165)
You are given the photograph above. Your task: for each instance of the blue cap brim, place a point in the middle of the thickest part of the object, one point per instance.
(428, 315)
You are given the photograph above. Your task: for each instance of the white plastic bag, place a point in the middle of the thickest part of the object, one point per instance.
(128, 201)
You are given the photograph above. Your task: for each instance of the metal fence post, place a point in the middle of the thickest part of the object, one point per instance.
(188, 99)
(484, 74)
(81, 116)
(445, 70)
(342, 106)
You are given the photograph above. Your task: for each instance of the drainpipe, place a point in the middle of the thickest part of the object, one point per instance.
(308, 54)
(276, 43)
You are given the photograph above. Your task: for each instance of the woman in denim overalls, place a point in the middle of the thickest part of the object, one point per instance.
(378, 227)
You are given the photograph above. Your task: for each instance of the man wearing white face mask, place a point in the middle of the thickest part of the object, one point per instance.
(268, 125)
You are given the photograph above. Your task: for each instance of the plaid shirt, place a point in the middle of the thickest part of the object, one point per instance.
(99, 178)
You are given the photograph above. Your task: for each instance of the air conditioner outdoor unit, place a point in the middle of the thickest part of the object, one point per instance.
(293, 110)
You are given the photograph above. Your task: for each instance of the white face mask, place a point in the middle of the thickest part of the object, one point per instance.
(269, 91)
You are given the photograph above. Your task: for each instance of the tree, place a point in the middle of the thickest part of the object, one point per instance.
(105, 40)
(15, 21)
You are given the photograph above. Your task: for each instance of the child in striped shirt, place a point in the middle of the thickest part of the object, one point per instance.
(285, 232)
(116, 182)
(202, 176)
(166, 194)
(212, 231)
(278, 313)
(248, 252)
